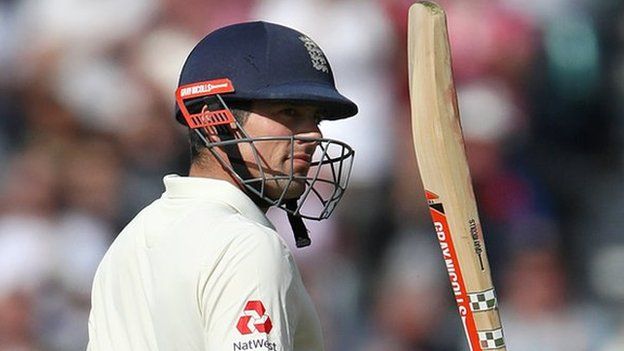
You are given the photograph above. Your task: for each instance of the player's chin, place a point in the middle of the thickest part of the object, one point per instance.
(292, 189)
(295, 189)
(286, 189)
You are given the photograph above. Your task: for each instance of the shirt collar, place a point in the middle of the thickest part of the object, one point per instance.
(216, 190)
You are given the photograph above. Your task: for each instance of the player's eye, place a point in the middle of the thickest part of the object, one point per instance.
(290, 112)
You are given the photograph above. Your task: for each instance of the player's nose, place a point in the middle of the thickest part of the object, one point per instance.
(312, 131)
(308, 125)
(310, 137)
(308, 134)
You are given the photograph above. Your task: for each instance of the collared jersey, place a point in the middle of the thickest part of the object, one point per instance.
(201, 268)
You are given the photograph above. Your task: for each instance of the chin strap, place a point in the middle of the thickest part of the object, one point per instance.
(302, 239)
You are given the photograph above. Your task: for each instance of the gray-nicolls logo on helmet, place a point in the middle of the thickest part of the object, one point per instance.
(247, 63)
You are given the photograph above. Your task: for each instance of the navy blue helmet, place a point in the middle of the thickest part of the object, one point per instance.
(266, 61)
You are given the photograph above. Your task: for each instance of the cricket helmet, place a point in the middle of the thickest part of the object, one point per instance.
(266, 61)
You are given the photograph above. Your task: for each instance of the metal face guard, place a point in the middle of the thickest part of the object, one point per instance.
(326, 180)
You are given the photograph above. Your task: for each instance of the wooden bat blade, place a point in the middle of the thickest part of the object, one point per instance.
(441, 157)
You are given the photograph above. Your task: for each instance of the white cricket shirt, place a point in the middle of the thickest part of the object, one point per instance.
(201, 268)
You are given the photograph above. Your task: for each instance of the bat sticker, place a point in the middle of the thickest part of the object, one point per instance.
(451, 261)
(476, 240)
(492, 339)
(483, 301)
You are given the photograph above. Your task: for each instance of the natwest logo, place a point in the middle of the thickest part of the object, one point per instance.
(254, 319)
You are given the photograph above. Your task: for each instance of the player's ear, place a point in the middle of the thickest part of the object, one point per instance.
(217, 131)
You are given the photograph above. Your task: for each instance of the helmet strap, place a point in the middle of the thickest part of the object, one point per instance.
(302, 239)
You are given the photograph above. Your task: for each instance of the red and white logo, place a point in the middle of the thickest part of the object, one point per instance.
(254, 319)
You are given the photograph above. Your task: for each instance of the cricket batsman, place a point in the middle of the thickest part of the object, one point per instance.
(202, 268)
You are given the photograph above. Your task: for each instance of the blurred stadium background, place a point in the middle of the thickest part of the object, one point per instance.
(87, 133)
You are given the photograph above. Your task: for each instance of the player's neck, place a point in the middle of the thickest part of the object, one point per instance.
(215, 170)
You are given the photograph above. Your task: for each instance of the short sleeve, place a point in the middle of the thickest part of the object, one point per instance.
(248, 299)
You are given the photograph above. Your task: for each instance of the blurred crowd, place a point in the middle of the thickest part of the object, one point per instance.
(87, 133)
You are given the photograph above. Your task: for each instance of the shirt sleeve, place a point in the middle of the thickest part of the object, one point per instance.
(248, 299)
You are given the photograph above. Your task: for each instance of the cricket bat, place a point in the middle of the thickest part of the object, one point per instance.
(439, 146)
